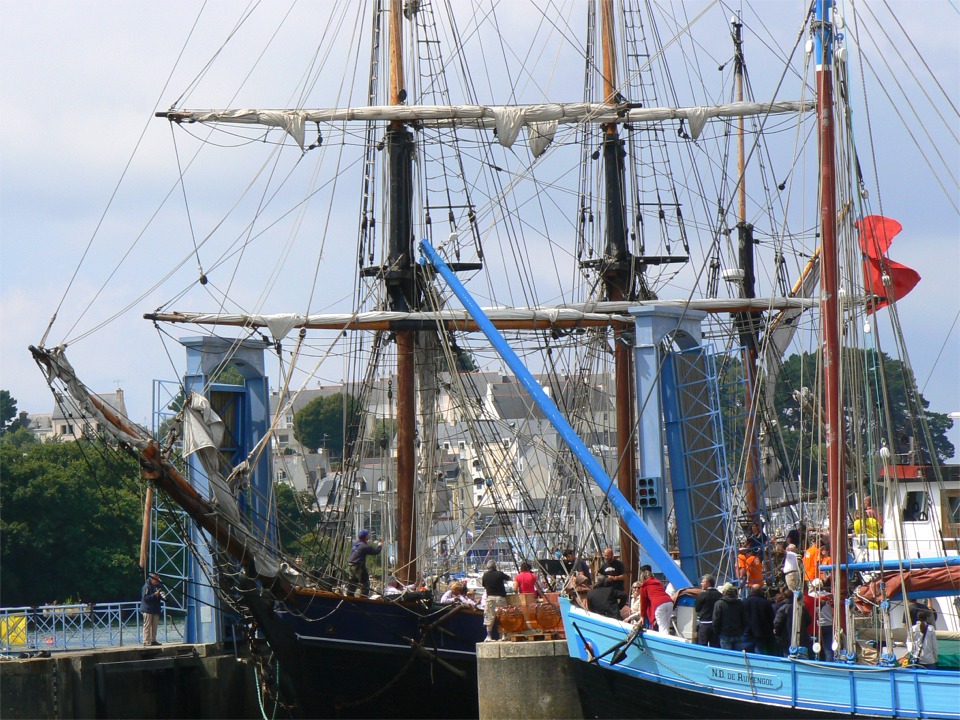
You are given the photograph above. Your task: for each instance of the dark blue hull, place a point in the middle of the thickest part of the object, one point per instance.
(358, 658)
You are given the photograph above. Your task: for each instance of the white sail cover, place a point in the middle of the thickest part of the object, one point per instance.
(601, 311)
(203, 432)
(507, 119)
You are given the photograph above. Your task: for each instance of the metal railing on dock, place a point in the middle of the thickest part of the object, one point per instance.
(82, 626)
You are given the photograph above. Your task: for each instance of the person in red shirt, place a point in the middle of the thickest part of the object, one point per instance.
(526, 581)
(655, 605)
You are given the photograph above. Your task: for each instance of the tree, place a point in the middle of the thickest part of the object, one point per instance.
(18, 437)
(891, 392)
(331, 422)
(296, 517)
(69, 523)
(8, 412)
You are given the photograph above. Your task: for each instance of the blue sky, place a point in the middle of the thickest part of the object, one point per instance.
(78, 85)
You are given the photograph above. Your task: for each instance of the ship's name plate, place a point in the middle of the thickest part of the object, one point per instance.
(734, 676)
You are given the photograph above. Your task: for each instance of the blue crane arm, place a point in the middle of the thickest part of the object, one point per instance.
(651, 544)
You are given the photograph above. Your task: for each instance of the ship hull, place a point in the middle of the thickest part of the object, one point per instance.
(352, 657)
(608, 694)
(663, 677)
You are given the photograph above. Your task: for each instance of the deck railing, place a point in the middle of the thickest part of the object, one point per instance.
(81, 626)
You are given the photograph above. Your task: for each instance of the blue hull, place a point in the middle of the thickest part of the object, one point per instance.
(665, 677)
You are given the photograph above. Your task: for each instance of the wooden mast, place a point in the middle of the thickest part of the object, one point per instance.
(401, 287)
(829, 288)
(746, 321)
(618, 279)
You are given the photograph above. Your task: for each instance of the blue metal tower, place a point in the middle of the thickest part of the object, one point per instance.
(245, 412)
(679, 407)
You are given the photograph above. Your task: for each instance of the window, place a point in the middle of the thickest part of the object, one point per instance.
(284, 439)
(951, 513)
(446, 446)
(915, 506)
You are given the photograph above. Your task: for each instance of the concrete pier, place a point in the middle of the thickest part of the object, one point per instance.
(172, 681)
(531, 680)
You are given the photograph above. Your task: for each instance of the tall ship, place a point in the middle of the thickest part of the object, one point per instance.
(643, 245)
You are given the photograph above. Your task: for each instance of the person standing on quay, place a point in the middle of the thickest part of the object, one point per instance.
(525, 581)
(151, 599)
(494, 583)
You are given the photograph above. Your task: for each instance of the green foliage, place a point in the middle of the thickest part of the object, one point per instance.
(18, 437)
(885, 389)
(330, 422)
(229, 376)
(69, 523)
(297, 521)
(8, 412)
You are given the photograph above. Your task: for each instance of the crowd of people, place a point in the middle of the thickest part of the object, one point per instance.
(756, 614)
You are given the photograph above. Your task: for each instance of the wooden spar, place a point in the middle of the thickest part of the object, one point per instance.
(750, 464)
(403, 294)
(155, 469)
(741, 161)
(396, 52)
(829, 286)
(145, 532)
(609, 57)
(619, 283)
(592, 315)
(406, 570)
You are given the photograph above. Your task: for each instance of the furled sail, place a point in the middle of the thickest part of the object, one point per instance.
(582, 314)
(540, 120)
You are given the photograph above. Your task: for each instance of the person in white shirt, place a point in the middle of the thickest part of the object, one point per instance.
(455, 594)
(791, 567)
(925, 642)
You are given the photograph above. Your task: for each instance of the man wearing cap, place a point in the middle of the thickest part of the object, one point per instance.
(357, 562)
(151, 598)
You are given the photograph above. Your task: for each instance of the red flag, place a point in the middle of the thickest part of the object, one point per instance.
(876, 234)
(902, 280)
